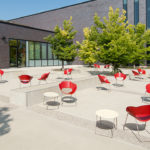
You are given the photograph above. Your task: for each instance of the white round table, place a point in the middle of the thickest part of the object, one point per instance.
(50, 95)
(107, 114)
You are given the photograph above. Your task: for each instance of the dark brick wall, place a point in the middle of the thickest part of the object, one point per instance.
(16, 32)
(82, 15)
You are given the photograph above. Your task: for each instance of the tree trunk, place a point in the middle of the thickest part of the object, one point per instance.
(62, 65)
(115, 69)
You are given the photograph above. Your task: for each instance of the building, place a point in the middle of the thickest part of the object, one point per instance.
(22, 41)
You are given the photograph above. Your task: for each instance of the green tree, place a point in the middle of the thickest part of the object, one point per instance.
(120, 43)
(62, 42)
(140, 39)
(88, 47)
(113, 39)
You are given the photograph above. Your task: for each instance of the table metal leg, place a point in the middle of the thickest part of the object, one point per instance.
(116, 122)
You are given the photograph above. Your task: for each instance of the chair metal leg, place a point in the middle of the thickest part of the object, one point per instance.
(137, 127)
(61, 100)
(125, 122)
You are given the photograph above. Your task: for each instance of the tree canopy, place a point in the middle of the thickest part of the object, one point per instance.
(62, 42)
(88, 48)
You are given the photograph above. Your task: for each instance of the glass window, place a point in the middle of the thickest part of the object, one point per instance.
(44, 62)
(38, 63)
(136, 12)
(148, 14)
(37, 51)
(50, 63)
(31, 50)
(125, 7)
(21, 53)
(56, 63)
(13, 42)
(50, 55)
(44, 51)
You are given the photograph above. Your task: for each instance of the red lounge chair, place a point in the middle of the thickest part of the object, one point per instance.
(147, 90)
(140, 113)
(106, 66)
(1, 73)
(25, 79)
(120, 76)
(44, 77)
(142, 71)
(139, 70)
(97, 66)
(135, 73)
(68, 72)
(67, 88)
(104, 80)
(139, 74)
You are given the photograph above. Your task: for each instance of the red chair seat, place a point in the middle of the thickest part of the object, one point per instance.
(141, 113)
(25, 79)
(68, 85)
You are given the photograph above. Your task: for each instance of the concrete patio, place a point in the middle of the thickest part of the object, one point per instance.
(77, 121)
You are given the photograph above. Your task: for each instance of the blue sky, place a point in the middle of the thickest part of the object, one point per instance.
(10, 9)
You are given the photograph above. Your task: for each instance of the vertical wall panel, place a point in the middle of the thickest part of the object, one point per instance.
(131, 11)
(142, 11)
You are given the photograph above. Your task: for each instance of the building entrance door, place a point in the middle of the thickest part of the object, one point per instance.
(17, 53)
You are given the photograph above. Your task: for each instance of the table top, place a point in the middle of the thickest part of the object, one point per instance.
(106, 113)
(51, 94)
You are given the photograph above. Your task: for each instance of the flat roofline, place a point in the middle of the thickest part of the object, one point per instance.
(25, 26)
(53, 9)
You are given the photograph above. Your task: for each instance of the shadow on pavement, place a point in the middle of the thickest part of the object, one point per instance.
(4, 121)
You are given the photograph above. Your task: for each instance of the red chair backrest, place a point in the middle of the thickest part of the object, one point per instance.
(69, 70)
(148, 88)
(1, 72)
(25, 78)
(143, 72)
(120, 75)
(44, 76)
(141, 113)
(135, 73)
(68, 84)
(103, 79)
(95, 65)
(139, 70)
